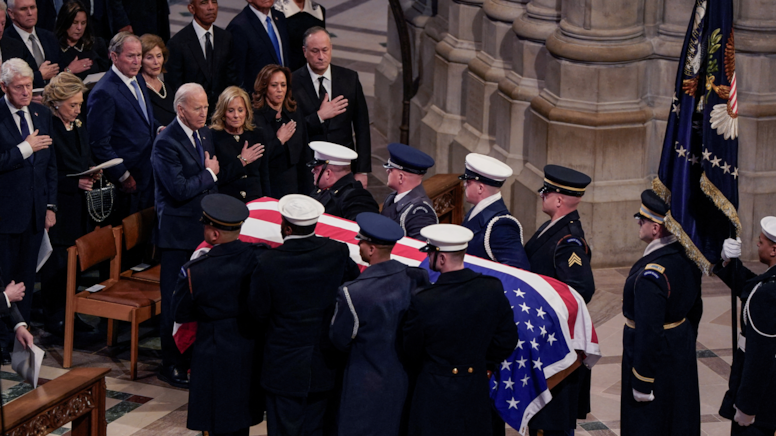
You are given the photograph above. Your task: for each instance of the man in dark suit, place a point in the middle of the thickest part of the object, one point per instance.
(148, 16)
(559, 250)
(11, 48)
(41, 44)
(408, 204)
(121, 125)
(336, 188)
(202, 53)
(185, 170)
(338, 111)
(293, 293)
(260, 38)
(451, 394)
(498, 236)
(28, 181)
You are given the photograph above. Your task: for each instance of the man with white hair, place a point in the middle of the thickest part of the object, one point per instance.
(750, 401)
(293, 293)
(185, 171)
(28, 181)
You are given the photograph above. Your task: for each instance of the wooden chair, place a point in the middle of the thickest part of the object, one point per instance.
(121, 299)
(137, 229)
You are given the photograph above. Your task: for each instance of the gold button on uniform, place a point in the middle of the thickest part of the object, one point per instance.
(455, 370)
(471, 370)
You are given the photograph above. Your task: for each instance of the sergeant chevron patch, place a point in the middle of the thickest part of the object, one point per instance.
(574, 259)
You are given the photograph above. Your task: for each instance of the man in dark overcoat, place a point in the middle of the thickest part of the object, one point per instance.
(662, 308)
(212, 291)
(559, 250)
(336, 189)
(408, 204)
(451, 394)
(750, 401)
(293, 294)
(366, 323)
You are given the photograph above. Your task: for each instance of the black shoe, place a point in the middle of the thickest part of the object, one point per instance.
(174, 376)
(5, 356)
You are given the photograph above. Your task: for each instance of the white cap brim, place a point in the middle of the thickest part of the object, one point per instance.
(768, 225)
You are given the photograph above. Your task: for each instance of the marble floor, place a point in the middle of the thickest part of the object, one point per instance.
(147, 406)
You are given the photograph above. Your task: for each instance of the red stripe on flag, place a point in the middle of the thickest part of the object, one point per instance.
(568, 299)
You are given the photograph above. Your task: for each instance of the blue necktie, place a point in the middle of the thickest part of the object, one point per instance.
(140, 99)
(274, 39)
(25, 129)
(199, 148)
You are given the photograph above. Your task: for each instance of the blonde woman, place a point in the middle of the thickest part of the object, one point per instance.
(244, 172)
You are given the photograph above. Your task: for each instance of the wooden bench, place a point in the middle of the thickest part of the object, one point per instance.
(77, 397)
(446, 194)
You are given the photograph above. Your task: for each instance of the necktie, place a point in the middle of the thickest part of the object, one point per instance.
(274, 39)
(36, 52)
(199, 148)
(140, 99)
(321, 90)
(25, 130)
(209, 51)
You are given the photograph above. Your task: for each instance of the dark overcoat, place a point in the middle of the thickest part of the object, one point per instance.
(365, 324)
(346, 198)
(451, 394)
(288, 172)
(212, 290)
(503, 243)
(413, 212)
(752, 384)
(293, 293)
(662, 295)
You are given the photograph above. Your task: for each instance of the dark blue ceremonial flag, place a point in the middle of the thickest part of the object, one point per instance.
(698, 173)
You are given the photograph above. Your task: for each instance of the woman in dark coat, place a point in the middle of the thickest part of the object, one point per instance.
(155, 55)
(285, 135)
(82, 52)
(300, 16)
(244, 172)
(64, 95)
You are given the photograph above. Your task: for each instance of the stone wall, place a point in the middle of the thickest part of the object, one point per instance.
(581, 83)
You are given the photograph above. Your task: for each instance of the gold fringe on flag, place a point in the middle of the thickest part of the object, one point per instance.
(721, 202)
(661, 190)
(689, 247)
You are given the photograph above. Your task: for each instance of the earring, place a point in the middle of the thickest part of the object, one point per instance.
(56, 107)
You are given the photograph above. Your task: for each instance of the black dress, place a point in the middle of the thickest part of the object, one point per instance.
(98, 54)
(244, 183)
(297, 26)
(164, 112)
(288, 172)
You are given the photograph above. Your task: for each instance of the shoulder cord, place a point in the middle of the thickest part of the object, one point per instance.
(403, 217)
(489, 229)
(747, 314)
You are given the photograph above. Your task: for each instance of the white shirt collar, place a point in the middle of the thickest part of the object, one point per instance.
(552, 223)
(262, 16)
(127, 80)
(24, 34)
(12, 108)
(479, 207)
(187, 130)
(289, 8)
(200, 31)
(400, 196)
(659, 243)
(326, 74)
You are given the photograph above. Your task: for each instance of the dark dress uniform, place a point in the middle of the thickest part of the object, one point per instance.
(498, 236)
(293, 292)
(288, 172)
(451, 395)
(213, 291)
(366, 322)
(245, 183)
(752, 384)
(662, 306)
(346, 198)
(413, 212)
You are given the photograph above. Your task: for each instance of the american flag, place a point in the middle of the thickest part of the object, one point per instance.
(552, 320)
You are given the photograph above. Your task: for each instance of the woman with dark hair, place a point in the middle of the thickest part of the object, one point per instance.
(285, 135)
(155, 55)
(244, 171)
(82, 52)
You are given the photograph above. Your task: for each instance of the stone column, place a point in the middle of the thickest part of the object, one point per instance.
(487, 68)
(445, 115)
(755, 38)
(591, 115)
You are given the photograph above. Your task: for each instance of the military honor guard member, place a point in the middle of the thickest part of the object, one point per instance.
(213, 291)
(559, 250)
(498, 236)
(365, 325)
(293, 293)
(662, 307)
(451, 394)
(408, 204)
(750, 401)
(336, 188)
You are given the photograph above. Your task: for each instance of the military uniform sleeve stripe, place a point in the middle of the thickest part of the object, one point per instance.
(353, 311)
(642, 378)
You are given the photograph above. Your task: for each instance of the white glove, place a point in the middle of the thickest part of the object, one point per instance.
(642, 398)
(742, 418)
(731, 249)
